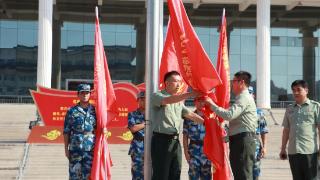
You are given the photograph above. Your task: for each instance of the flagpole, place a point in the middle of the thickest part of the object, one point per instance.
(154, 24)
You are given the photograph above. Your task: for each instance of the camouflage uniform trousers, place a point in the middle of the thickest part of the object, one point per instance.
(256, 166)
(80, 164)
(137, 165)
(199, 165)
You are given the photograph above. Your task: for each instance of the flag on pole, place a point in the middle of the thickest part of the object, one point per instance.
(169, 60)
(214, 145)
(195, 65)
(105, 97)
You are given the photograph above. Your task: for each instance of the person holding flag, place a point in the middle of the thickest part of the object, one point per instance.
(243, 123)
(79, 135)
(169, 109)
(136, 124)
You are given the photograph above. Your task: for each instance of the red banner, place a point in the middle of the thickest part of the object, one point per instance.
(54, 134)
(53, 113)
(127, 85)
(52, 108)
(56, 91)
(126, 102)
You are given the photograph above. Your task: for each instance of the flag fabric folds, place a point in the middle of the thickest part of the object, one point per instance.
(105, 97)
(169, 60)
(195, 65)
(199, 73)
(215, 146)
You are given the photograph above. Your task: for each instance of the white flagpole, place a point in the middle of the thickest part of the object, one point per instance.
(154, 41)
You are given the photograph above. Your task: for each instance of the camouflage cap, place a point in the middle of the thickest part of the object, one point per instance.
(83, 88)
(141, 94)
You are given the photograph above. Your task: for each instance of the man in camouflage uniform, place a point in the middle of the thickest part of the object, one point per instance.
(262, 130)
(136, 124)
(79, 137)
(193, 135)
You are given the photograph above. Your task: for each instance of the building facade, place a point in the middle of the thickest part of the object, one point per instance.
(295, 35)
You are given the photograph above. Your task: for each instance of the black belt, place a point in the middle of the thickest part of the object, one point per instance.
(242, 135)
(196, 142)
(167, 136)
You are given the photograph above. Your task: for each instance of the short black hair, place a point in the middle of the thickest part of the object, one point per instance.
(245, 76)
(301, 83)
(169, 74)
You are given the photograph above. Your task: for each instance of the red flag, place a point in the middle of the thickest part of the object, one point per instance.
(214, 146)
(195, 65)
(169, 59)
(105, 98)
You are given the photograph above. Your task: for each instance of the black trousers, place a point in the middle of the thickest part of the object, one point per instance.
(166, 157)
(304, 166)
(242, 151)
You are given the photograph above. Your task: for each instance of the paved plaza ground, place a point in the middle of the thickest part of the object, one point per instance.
(46, 161)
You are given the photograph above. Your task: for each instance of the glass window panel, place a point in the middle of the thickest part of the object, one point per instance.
(35, 37)
(279, 50)
(278, 87)
(133, 40)
(295, 51)
(275, 41)
(9, 24)
(279, 65)
(248, 32)
(214, 31)
(248, 63)
(295, 65)
(123, 39)
(8, 38)
(25, 37)
(213, 58)
(234, 62)
(108, 27)
(205, 41)
(89, 38)
(235, 47)
(109, 38)
(26, 25)
(235, 32)
(279, 32)
(75, 38)
(89, 27)
(124, 28)
(248, 45)
(73, 26)
(202, 30)
(214, 43)
(64, 39)
(294, 32)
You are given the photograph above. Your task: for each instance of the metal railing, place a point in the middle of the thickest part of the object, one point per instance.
(16, 99)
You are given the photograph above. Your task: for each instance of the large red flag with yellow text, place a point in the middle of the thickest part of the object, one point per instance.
(105, 98)
(195, 65)
(169, 60)
(215, 146)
